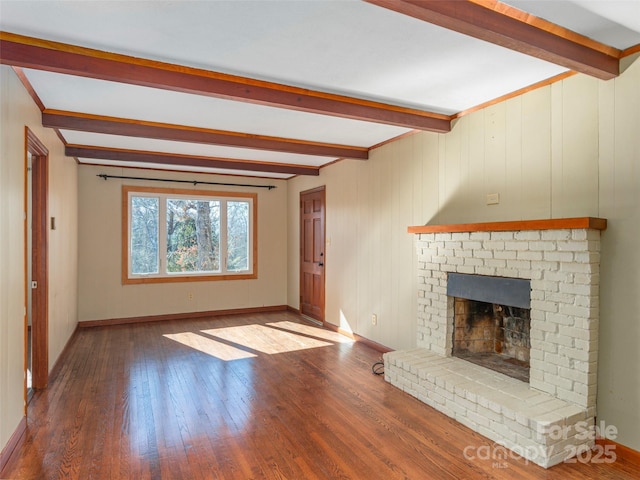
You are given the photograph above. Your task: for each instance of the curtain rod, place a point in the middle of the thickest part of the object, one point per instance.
(104, 176)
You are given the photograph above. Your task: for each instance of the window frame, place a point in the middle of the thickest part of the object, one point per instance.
(130, 279)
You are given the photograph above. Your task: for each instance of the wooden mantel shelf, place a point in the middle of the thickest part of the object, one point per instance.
(518, 225)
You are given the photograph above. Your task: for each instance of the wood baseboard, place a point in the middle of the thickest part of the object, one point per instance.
(358, 338)
(15, 439)
(622, 452)
(63, 355)
(293, 309)
(179, 316)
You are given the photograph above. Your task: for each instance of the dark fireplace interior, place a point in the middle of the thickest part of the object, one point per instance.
(493, 335)
(492, 322)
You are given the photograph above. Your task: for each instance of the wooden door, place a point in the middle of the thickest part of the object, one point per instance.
(312, 254)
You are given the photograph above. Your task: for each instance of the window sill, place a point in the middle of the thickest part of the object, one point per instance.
(191, 278)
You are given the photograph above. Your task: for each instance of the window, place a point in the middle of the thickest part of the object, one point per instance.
(172, 235)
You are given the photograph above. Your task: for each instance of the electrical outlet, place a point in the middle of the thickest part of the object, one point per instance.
(493, 198)
(374, 319)
(190, 296)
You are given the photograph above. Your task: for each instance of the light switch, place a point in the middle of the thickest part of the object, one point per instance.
(493, 198)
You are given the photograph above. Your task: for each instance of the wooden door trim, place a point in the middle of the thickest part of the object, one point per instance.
(320, 189)
(40, 260)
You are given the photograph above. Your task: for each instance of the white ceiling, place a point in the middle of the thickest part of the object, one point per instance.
(350, 48)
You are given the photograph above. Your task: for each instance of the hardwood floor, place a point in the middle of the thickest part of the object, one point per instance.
(239, 397)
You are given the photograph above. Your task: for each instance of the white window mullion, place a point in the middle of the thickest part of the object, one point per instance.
(162, 236)
(223, 235)
(250, 238)
(129, 235)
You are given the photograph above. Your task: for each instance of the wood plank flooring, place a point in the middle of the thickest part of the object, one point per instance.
(263, 396)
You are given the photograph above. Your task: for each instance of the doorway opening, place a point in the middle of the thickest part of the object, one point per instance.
(36, 265)
(29, 260)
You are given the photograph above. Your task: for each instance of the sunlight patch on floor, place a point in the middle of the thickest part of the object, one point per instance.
(312, 331)
(265, 339)
(247, 341)
(209, 346)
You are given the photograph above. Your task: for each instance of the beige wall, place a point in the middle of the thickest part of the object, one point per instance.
(101, 293)
(619, 197)
(17, 111)
(369, 206)
(570, 149)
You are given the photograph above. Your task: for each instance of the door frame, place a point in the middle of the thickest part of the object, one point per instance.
(39, 262)
(322, 189)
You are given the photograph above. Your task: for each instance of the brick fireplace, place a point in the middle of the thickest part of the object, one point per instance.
(543, 420)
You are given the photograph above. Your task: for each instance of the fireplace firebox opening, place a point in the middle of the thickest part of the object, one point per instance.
(493, 335)
(492, 322)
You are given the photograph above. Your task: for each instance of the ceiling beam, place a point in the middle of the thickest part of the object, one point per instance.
(28, 52)
(511, 28)
(123, 155)
(163, 131)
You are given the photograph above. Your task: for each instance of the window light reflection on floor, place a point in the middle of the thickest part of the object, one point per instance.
(209, 346)
(265, 339)
(312, 331)
(247, 341)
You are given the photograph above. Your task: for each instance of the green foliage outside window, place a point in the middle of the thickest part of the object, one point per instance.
(144, 235)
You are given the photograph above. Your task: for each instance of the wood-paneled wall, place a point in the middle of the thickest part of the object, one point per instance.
(565, 150)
